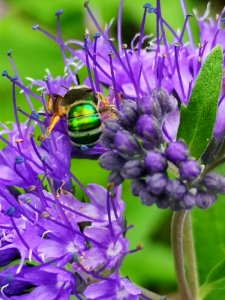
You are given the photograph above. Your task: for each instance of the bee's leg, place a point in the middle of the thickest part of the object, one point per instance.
(49, 104)
(101, 99)
(54, 120)
(58, 112)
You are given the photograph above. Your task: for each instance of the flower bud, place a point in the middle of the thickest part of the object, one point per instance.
(176, 152)
(205, 200)
(137, 185)
(133, 169)
(175, 189)
(155, 161)
(128, 114)
(150, 129)
(148, 105)
(214, 182)
(115, 178)
(126, 143)
(111, 161)
(156, 183)
(189, 170)
(147, 198)
(162, 201)
(166, 102)
(188, 201)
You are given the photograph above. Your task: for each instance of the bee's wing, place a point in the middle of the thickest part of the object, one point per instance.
(81, 93)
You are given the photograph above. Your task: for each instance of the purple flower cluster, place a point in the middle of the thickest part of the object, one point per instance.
(59, 245)
(137, 152)
(52, 245)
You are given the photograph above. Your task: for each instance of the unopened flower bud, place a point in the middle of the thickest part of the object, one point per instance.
(175, 189)
(214, 182)
(148, 105)
(115, 178)
(176, 152)
(132, 169)
(126, 143)
(137, 185)
(111, 161)
(204, 199)
(188, 201)
(147, 198)
(128, 114)
(150, 129)
(156, 183)
(155, 161)
(189, 170)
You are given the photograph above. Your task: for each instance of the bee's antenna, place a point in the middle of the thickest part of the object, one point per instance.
(65, 87)
(78, 79)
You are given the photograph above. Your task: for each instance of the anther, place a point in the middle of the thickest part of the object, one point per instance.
(10, 211)
(111, 39)
(86, 4)
(45, 214)
(177, 45)
(19, 141)
(19, 160)
(84, 148)
(35, 27)
(32, 188)
(59, 12)
(4, 73)
(9, 52)
(151, 10)
(35, 115)
(147, 5)
(97, 35)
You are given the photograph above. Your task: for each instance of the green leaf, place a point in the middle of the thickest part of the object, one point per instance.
(197, 119)
(215, 283)
(209, 228)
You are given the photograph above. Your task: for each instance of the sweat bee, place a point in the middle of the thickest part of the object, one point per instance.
(84, 111)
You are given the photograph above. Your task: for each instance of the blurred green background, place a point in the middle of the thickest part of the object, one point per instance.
(33, 53)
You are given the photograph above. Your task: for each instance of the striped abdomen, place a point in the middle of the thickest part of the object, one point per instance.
(84, 123)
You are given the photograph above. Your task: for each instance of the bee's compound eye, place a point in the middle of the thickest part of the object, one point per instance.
(84, 148)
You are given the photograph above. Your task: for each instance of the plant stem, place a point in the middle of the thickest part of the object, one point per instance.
(149, 294)
(188, 244)
(177, 227)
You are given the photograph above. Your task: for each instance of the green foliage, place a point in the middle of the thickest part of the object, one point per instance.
(197, 120)
(209, 228)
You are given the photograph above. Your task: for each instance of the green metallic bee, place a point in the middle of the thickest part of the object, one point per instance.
(83, 112)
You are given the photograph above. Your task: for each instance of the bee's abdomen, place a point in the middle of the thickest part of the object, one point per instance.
(84, 124)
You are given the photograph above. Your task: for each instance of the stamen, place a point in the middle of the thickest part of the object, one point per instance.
(88, 64)
(23, 241)
(105, 37)
(75, 212)
(119, 27)
(214, 39)
(177, 48)
(109, 212)
(50, 36)
(97, 82)
(221, 99)
(183, 29)
(114, 82)
(15, 110)
(131, 71)
(163, 33)
(62, 46)
(146, 7)
(20, 85)
(9, 53)
(183, 6)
